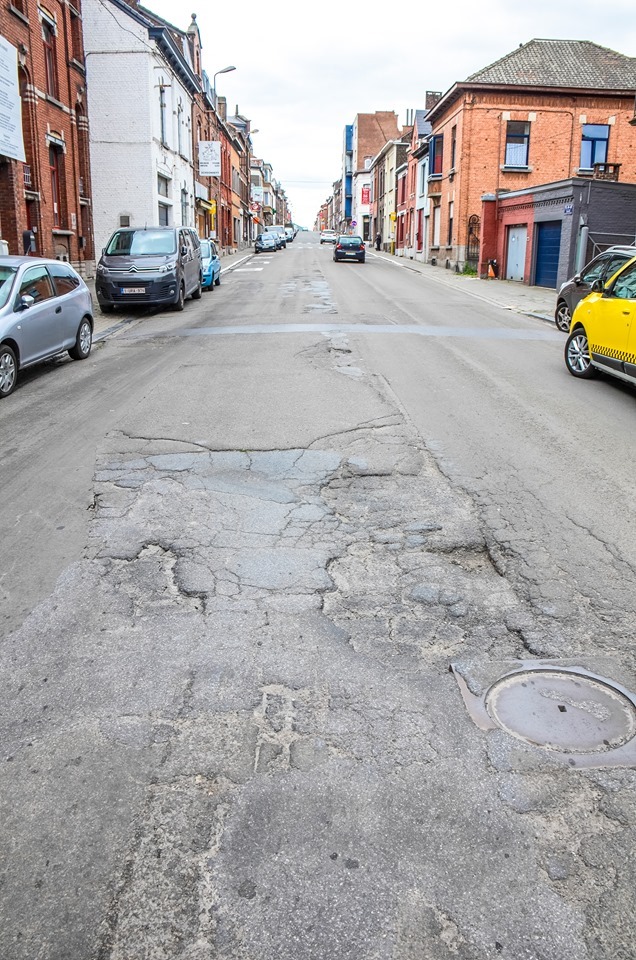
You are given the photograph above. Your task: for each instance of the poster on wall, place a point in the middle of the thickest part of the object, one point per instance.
(210, 158)
(11, 139)
(366, 196)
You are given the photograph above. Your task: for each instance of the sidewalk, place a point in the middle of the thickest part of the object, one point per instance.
(539, 302)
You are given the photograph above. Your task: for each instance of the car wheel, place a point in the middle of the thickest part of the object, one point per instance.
(107, 307)
(8, 370)
(199, 290)
(217, 282)
(83, 341)
(563, 316)
(577, 355)
(180, 303)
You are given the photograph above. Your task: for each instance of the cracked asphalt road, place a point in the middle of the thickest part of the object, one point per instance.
(229, 725)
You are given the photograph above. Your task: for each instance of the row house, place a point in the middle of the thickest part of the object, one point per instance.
(346, 181)
(383, 206)
(551, 111)
(414, 205)
(369, 133)
(45, 180)
(141, 138)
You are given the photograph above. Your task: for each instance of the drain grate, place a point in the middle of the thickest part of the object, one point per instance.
(585, 718)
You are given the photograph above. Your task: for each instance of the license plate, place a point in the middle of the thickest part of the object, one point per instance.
(133, 289)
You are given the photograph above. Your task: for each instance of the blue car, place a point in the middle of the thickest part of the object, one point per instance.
(211, 264)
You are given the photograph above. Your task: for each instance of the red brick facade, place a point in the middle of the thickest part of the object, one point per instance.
(474, 124)
(50, 193)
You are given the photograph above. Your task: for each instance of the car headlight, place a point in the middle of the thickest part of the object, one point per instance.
(168, 267)
(102, 270)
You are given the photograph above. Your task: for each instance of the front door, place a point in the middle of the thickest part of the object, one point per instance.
(516, 253)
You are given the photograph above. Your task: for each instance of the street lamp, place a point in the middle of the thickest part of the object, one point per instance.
(224, 70)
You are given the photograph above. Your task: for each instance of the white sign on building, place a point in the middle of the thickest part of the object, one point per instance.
(11, 139)
(209, 158)
(257, 194)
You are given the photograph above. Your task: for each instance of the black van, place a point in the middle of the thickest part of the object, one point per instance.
(149, 265)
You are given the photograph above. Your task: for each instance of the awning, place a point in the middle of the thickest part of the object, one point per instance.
(205, 204)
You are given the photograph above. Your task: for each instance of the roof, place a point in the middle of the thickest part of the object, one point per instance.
(422, 125)
(561, 63)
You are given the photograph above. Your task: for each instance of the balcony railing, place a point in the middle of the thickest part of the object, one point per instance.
(81, 187)
(27, 176)
(606, 171)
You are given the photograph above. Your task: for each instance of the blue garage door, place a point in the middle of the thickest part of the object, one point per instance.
(548, 247)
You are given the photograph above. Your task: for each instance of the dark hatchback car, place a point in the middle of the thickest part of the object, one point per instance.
(266, 242)
(580, 285)
(349, 248)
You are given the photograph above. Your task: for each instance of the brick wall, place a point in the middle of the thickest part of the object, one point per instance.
(555, 122)
(50, 121)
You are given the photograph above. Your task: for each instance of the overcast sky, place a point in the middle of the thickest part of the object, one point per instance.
(303, 70)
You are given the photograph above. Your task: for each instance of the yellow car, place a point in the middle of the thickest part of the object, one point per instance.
(603, 329)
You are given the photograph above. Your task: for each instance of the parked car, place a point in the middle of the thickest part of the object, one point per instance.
(574, 290)
(603, 333)
(150, 265)
(349, 248)
(328, 236)
(210, 265)
(45, 309)
(290, 233)
(280, 230)
(266, 242)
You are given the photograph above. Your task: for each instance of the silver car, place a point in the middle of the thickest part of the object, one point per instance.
(45, 308)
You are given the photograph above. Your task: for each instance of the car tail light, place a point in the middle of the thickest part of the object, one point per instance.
(338, 246)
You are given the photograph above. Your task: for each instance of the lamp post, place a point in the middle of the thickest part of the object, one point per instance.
(224, 70)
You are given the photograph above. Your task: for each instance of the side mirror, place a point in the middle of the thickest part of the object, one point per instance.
(597, 286)
(576, 278)
(184, 251)
(26, 301)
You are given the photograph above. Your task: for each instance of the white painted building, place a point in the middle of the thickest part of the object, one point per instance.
(422, 211)
(140, 90)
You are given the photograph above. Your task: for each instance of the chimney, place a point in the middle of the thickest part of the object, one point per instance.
(432, 97)
(221, 107)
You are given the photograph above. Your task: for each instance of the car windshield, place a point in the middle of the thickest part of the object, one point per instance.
(206, 252)
(268, 236)
(7, 275)
(350, 241)
(141, 243)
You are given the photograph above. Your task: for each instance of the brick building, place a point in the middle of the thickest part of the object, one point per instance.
(369, 133)
(549, 111)
(49, 194)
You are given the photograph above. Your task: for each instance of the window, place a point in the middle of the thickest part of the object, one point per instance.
(163, 114)
(164, 215)
(625, 286)
(179, 128)
(36, 283)
(453, 147)
(124, 220)
(65, 279)
(367, 163)
(50, 66)
(56, 179)
(77, 52)
(517, 143)
(594, 145)
(184, 207)
(449, 241)
(162, 186)
(436, 153)
(423, 176)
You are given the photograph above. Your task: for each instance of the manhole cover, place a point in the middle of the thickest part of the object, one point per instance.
(563, 711)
